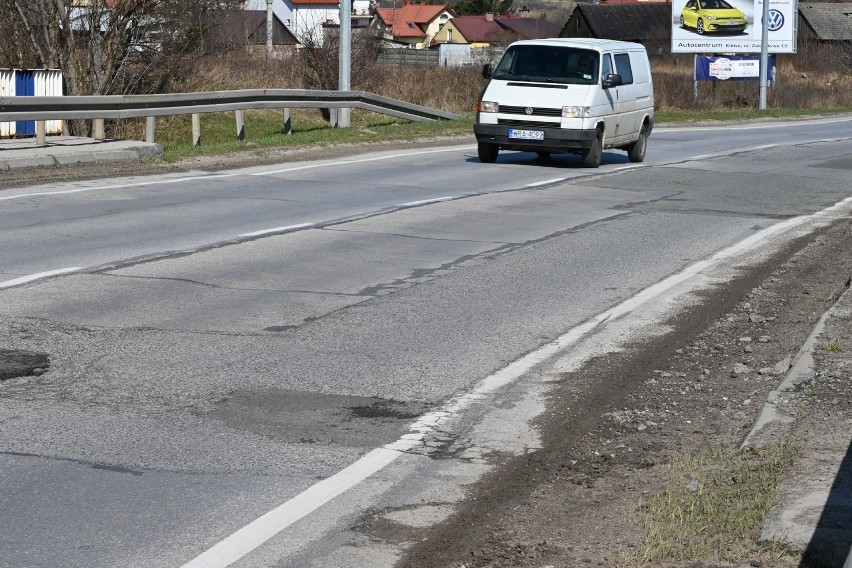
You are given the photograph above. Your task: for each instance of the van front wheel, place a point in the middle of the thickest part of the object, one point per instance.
(636, 152)
(487, 152)
(592, 156)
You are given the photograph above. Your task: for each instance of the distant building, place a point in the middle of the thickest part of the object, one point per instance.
(490, 31)
(412, 25)
(306, 18)
(825, 21)
(642, 22)
(247, 28)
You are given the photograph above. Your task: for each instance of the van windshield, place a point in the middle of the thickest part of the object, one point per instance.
(548, 64)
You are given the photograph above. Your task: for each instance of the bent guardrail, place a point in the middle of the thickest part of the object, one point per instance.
(100, 107)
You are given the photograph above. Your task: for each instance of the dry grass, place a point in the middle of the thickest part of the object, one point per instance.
(816, 78)
(713, 506)
(819, 77)
(450, 89)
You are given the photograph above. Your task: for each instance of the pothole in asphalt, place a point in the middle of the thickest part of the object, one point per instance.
(311, 418)
(20, 363)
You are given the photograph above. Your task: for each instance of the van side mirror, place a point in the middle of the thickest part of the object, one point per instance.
(487, 71)
(612, 80)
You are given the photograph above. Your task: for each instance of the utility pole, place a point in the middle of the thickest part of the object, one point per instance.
(764, 55)
(344, 82)
(268, 29)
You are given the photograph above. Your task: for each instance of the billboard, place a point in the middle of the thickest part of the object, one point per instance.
(732, 26)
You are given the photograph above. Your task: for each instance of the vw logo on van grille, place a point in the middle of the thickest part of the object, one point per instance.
(528, 110)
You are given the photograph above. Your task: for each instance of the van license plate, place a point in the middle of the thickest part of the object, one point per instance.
(526, 134)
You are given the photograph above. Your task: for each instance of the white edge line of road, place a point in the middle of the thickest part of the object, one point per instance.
(277, 230)
(31, 277)
(753, 126)
(361, 160)
(208, 177)
(735, 151)
(425, 201)
(254, 534)
(545, 182)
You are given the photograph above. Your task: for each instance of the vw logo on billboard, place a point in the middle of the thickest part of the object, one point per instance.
(776, 20)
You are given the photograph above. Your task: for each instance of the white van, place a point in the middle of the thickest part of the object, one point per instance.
(580, 96)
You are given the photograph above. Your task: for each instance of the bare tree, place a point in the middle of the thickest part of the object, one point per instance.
(105, 46)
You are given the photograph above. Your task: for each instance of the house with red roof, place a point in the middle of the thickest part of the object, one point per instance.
(491, 31)
(413, 24)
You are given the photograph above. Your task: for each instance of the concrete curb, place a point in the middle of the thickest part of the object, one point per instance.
(69, 151)
(798, 521)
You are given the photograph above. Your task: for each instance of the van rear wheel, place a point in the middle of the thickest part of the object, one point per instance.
(636, 152)
(487, 152)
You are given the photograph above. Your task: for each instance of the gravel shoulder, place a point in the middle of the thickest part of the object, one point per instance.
(613, 429)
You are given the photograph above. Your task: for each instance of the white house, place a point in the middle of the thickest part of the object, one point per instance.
(305, 18)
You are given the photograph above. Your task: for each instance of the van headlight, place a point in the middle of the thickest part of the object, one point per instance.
(487, 106)
(576, 112)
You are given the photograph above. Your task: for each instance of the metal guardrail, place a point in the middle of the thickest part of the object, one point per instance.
(101, 107)
(135, 106)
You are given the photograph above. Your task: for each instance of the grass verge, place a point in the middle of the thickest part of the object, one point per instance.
(263, 129)
(713, 505)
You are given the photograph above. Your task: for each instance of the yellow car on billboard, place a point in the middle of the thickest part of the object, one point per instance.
(712, 16)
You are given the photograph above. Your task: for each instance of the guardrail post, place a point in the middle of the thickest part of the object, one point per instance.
(286, 126)
(332, 117)
(241, 125)
(150, 128)
(99, 129)
(40, 132)
(196, 129)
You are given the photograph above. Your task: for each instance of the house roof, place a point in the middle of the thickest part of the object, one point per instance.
(631, 22)
(410, 20)
(529, 28)
(477, 28)
(829, 21)
(242, 27)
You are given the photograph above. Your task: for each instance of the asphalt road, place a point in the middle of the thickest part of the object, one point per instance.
(225, 343)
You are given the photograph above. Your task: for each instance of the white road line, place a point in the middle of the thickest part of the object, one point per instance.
(40, 275)
(262, 529)
(733, 151)
(265, 527)
(277, 230)
(118, 186)
(361, 160)
(632, 167)
(425, 201)
(545, 182)
(754, 126)
(206, 177)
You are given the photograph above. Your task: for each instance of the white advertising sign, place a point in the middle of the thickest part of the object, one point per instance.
(725, 69)
(732, 26)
